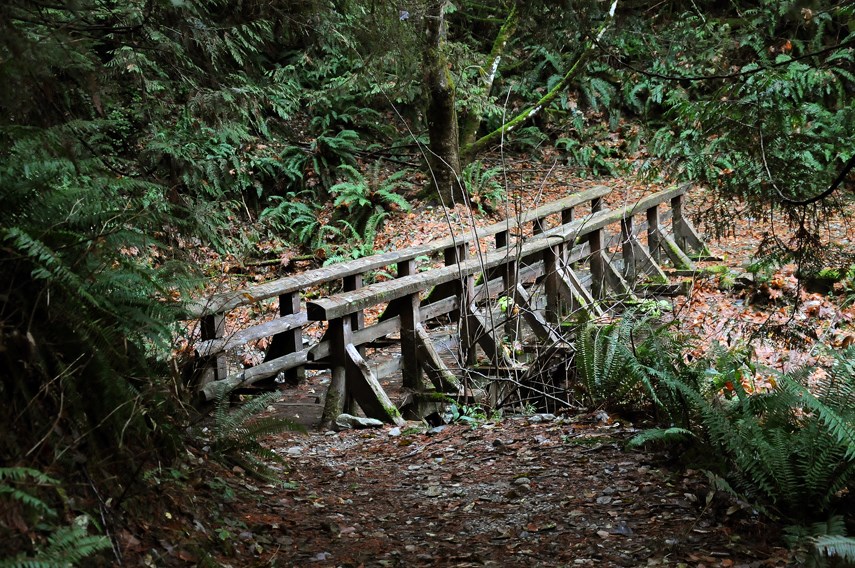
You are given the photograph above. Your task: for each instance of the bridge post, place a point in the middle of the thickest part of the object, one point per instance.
(357, 321)
(465, 291)
(214, 368)
(550, 268)
(677, 222)
(627, 250)
(597, 263)
(410, 319)
(338, 331)
(653, 237)
(290, 341)
(566, 218)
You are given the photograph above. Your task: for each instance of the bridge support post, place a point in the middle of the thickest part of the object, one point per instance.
(410, 321)
(653, 233)
(338, 331)
(290, 341)
(212, 368)
(597, 263)
(627, 250)
(553, 301)
(684, 232)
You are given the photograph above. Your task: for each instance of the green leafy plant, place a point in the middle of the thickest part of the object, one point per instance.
(56, 545)
(609, 372)
(362, 197)
(483, 188)
(592, 153)
(790, 450)
(472, 415)
(295, 215)
(237, 433)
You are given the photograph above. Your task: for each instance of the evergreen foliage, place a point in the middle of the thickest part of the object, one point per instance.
(237, 433)
(57, 545)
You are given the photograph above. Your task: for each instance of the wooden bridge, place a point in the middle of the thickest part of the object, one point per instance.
(496, 285)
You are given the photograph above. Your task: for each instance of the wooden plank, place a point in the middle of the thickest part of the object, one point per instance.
(349, 302)
(575, 293)
(644, 261)
(244, 336)
(678, 258)
(615, 280)
(443, 379)
(254, 374)
(367, 391)
(535, 320)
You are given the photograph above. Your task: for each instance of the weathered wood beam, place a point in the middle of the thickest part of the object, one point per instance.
(574, 292)
(254, 374)
(653, 232)
(244, 336)
(615, 280)
(644, 261)
(339, 334)
(410, 319)
(213, 368)
(678, 258)
(367, 391)
(441, 377)
(541, 327)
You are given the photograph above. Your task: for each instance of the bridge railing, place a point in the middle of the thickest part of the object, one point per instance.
(289, 349)
(554, 256)
(551, 254)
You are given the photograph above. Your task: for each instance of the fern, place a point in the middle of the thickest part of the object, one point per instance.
(481, 184)
(605, 362)
(840, 547)
(63, 545)
(237, 433)
(657, 435)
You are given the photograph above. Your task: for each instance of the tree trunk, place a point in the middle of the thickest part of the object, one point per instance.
(444, 150)
(472, 149)
(472, 120)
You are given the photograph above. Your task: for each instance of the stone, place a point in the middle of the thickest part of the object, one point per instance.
(535, 418)
(348, 421)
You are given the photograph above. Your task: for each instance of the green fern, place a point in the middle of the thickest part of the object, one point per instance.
(61, 546)
(789, 450)
(237, 433)
(604, 363)
(658, 435)
(484, 189)
(839, 547)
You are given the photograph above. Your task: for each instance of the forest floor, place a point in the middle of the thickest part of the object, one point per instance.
(521, 491)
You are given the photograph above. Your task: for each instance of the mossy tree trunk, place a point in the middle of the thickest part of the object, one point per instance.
(444, 150)
(473, 116)
(471, 149)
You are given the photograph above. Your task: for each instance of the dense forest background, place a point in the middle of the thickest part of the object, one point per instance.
(131, 131)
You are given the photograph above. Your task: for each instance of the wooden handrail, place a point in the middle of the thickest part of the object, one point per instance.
(226, 301)
(345, 303)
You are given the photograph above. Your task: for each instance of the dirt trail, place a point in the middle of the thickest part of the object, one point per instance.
(522, 492)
